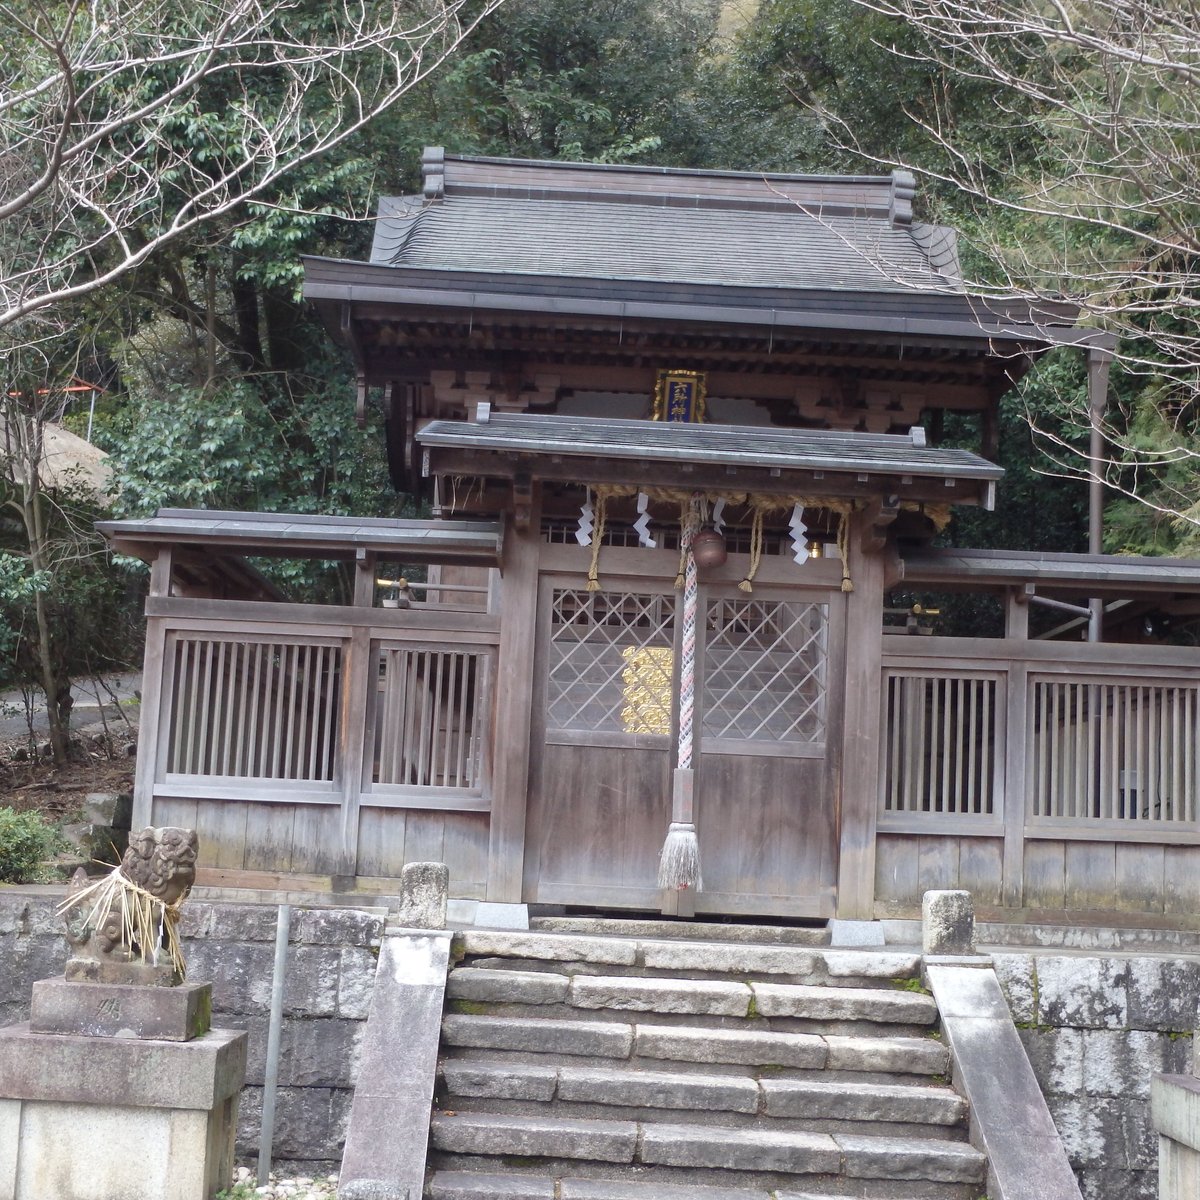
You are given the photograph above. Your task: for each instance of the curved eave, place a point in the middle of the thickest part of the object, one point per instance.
(939, 316)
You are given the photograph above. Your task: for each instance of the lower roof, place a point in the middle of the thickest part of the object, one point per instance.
(793, 457)
(1095, 574)
(298, 535)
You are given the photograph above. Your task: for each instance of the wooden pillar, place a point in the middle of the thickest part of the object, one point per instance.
(861, 742)
(358, 673)
(514, 697)
(151, 736)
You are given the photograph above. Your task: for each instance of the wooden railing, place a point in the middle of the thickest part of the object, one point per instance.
(293, 736)
(1062, 739)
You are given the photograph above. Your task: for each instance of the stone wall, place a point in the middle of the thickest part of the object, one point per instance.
(330, 975)
(1096, 1029)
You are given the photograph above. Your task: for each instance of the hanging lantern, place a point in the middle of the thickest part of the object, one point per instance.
(708, 547)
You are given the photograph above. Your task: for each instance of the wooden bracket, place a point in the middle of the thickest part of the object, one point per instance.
(879, 515)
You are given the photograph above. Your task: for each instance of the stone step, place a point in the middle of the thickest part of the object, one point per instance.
(694, 930)
(888, 1056)
(650, 1143)
(692, 997)
(797, 963)
(810, 1100)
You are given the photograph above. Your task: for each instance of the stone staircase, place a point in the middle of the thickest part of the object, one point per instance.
(638, 1068)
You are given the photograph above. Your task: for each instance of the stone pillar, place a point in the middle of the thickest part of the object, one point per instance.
(947, 923)
(118, 1092)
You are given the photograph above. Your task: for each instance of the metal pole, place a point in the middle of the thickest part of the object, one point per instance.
(1099, 362)
(271, 1074)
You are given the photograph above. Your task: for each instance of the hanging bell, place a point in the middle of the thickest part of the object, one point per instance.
(708, 548)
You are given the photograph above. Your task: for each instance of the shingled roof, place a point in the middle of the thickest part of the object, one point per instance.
(738, 229)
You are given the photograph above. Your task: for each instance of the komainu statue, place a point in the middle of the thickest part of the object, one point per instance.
(122, 927)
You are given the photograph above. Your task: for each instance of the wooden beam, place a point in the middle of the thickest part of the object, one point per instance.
(513, 706)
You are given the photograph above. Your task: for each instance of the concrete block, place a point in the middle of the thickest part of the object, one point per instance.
(424, 891)
(549, 947)
(658, 1089)
(891, 1056)
(61, 1067)
(550, 1137)
(843, 1004)
(969, 993)
(311, 985)
(1163, 993)
(87, 1151)
(499, 1080)
(310, 1123)
(490, 915)
(475, 1185)
(321, 1052)
(651, 1189)
(732, 958)
(750, 1048)
(10, 1130)
(947, 923)
(385, 1142)
(855, 933)
(1056, 1056)
(868, 964)
(337, 926)
(1082, 992)
(828, 1100)
(1121, 1062)
(1015, 973)
(1009, 1117)
(1175, 1108)
(739, 1149)
(1179, 1171)
(240, 973)
(629, 993)
(175, 1014)
(229, 922)
(911, 1158)
(507, 987)
(600, 1039)
(356, 981)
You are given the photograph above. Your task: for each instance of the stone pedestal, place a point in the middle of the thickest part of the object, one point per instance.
(105, 1107)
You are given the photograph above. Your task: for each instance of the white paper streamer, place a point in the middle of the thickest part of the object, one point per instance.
(799, 534)
(642, 524)
(718, 516)
(587, 522)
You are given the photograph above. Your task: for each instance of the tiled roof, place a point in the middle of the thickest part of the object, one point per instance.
(619, 239)
(732, 445)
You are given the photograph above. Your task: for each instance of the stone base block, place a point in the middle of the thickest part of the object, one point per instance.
(117, 1119)
(114, 1010)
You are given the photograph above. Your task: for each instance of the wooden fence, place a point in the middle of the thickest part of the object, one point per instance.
(1040, 774)
(321, 740)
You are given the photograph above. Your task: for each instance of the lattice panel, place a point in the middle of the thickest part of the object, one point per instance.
(1114, 750)
(430, 722)
(765, 671)
(258, 709)
(940, 744)
(611, 662)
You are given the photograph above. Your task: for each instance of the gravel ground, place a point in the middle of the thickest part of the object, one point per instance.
(280, 1186)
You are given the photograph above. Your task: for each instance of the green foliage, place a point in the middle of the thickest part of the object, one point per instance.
(26, 841)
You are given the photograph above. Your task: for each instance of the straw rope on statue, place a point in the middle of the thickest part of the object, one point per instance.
(133, 912)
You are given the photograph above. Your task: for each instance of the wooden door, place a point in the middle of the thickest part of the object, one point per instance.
(767, 706)
(604, 738)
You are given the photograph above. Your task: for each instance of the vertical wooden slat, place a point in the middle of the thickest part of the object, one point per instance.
(212, 765)
(470, 677)
(961, 687)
